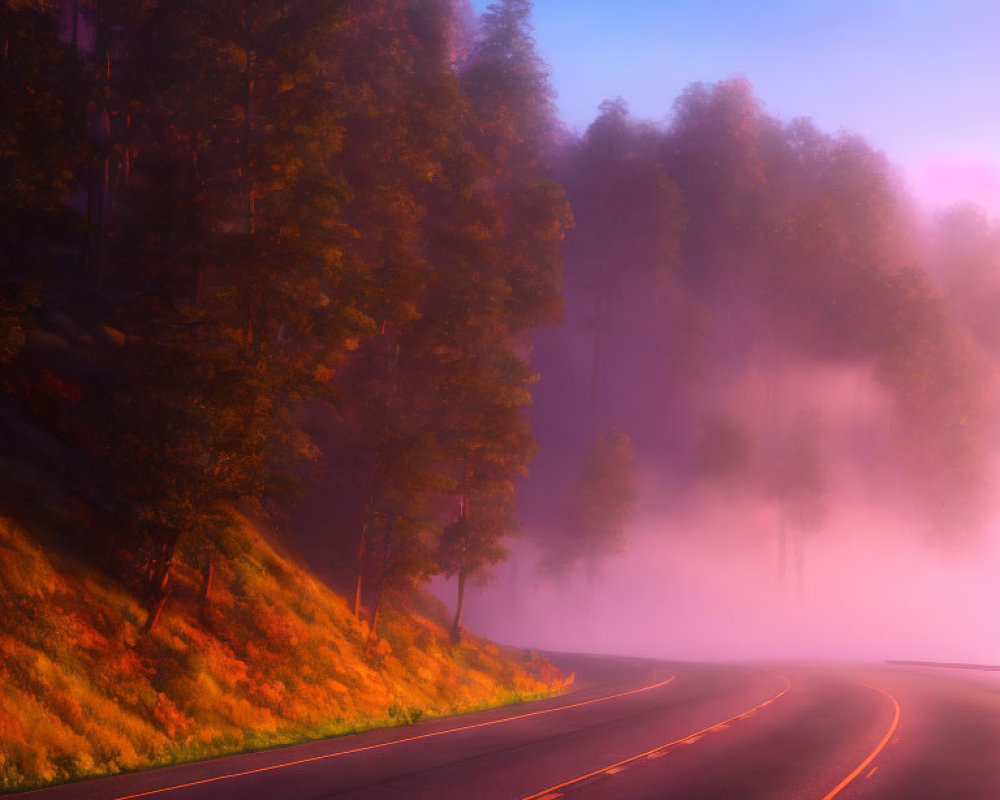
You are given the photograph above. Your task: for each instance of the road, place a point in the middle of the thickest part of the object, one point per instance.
(635, 728)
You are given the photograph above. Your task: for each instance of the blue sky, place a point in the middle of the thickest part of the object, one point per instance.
(917, 79)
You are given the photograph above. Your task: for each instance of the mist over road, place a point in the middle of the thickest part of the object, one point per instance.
(634, 728)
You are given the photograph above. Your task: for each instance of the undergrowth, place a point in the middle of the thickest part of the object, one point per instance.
(274, 657)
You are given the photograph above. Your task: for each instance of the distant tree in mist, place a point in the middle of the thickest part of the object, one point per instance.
(725, 448)
(965, 248)
(629, 217)
(801, 484)
(599, 507)
(783, 245)
(712, 151)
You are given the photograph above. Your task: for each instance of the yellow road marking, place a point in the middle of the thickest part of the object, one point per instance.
(659, 750)
(379, 746)
(874, 753)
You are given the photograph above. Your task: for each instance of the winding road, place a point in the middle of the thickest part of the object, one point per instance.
(635, 728)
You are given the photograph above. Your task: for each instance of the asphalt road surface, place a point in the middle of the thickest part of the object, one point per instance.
(633, 728)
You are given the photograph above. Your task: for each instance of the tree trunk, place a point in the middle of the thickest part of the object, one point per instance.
(590, 570)
(207, 574)
(102, 51)
(360, 569)
(249, 69)
(800, 565)
(456, 625)
(376, 610)
(377, 607)
(158, 581)
(782, 543)
(154, 614)
(155, 611)
(383, 572)
(392, 357)
(595, 364)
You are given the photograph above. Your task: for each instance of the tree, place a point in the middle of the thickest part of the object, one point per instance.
(629, 219)
(486, 442)
(494, 245)
(713, 153)
(965, 260)
(801, 485)
(401, 111)
(600, 505)
(724, 450)
(510, 125)
(230, 241)
(470, 545)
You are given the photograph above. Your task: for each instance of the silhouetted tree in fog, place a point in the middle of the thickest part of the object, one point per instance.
(629, 218)
(600, 505)
(801, 485)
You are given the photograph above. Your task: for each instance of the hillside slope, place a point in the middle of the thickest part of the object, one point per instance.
(273, 657)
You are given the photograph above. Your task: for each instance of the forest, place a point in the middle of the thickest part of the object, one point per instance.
(309, 261)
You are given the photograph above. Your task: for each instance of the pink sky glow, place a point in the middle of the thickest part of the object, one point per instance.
(944, 180)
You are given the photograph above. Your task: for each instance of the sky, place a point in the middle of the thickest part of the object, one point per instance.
(915, 78)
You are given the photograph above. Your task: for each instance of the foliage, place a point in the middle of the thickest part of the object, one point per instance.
(281, 207)
(277, 658)
(724, 246)
(600, 505)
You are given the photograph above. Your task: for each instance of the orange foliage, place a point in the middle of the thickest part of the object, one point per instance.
(276, 658)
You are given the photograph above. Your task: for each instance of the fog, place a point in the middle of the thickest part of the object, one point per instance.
(809, 393)
(700, 577)
(707, 588)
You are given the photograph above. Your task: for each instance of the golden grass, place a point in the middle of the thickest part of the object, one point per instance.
(275, 658)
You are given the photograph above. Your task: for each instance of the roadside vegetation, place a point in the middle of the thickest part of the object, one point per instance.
(275, 658)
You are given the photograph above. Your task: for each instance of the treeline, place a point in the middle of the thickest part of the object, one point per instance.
(224, 219)
(719, 263)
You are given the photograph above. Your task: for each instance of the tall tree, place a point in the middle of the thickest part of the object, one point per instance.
(401, 104)
(495, 250)
(601, 504)
(629, 219)
(802, 487)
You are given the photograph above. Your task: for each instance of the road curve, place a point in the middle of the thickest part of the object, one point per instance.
(634, 728)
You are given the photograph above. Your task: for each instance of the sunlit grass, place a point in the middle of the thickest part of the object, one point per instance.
(274, 658)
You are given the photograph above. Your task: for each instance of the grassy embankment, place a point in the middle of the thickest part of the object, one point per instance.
(275, 657)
